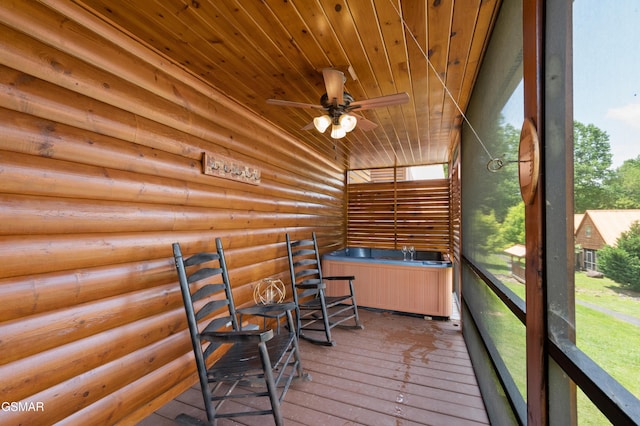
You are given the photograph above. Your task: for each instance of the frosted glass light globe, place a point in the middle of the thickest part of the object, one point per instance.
(348, 122)
(321, 123)
(337, 132)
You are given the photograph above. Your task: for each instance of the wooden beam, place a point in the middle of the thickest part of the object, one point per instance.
(536, 316)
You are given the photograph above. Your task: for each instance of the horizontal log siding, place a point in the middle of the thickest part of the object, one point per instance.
(100, 171)
(390, 215)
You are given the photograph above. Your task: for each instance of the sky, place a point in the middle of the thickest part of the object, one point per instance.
(606, 71)
(606, 74)
(427, 172)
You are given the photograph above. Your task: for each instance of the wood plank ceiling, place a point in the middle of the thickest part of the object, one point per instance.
(255, 50)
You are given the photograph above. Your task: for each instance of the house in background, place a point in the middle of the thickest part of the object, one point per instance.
(598, 228)
(577, 220)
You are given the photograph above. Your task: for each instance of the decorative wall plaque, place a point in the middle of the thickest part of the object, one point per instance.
(228, 168)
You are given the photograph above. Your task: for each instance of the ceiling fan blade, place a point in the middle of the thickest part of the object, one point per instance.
(364, 124)
(279, 102)
(334, 83)
(382, 101)
(309, 126)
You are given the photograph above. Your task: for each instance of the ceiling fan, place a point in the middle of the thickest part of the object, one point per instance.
(338, 105)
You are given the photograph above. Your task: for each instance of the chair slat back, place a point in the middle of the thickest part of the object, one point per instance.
(304, 262)
(206, 292)
(211, 307)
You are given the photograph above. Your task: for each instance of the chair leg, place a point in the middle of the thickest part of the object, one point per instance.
(355, 305)
(358, 324)
(271, 386)
(204, 386)
(326, 325)
(296, 348)
(325, 318)
(187, 420)
(298, 321)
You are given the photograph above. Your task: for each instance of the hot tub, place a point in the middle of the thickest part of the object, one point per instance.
(385, 281)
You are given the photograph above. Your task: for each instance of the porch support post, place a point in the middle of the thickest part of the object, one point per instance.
(559, 255)
(536, 314)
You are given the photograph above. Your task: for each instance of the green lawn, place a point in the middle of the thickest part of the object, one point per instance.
(608, 294)
(610, 342)
(613, 344)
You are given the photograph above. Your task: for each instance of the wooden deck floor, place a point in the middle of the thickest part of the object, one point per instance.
(399, 370)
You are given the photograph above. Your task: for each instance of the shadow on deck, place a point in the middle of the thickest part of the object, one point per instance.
(399, 370)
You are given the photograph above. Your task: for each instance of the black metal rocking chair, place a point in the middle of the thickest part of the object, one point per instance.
(315, 311)
(249, 363)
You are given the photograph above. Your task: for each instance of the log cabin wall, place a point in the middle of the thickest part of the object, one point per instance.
(101, 142)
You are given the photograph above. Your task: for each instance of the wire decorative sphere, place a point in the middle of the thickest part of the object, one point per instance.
(269, 291)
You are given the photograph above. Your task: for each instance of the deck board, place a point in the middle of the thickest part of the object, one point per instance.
(399, 370)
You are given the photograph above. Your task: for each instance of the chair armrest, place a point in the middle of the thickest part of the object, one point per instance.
(274, 310)
(340, 278)
(239, 336)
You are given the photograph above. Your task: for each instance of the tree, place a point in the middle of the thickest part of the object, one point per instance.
(624, 186)
(592, 163)
(484, 226)
(629, 241)
(512, 229)
(499, 190)
(505, 183)
(622, 263)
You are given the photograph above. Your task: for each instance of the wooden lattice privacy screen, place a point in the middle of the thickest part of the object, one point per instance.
(390, 215)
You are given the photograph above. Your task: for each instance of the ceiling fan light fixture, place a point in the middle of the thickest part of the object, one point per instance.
(348, 122)
(337, 104)
(322, 123)
(337, 131)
